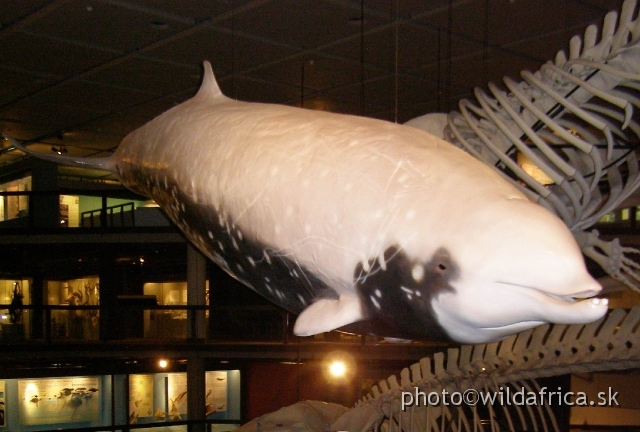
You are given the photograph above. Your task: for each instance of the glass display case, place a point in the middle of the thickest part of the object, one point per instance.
(75, 323)
(167, 323)
(14, 320)
(15, 205)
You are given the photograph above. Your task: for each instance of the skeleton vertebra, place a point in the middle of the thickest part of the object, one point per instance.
(612, 343)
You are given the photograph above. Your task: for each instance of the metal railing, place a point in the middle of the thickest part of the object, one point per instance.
(41, 209)
(115, 216)
(122, 322)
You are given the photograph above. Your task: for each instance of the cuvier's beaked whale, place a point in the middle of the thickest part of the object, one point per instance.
(353, 222)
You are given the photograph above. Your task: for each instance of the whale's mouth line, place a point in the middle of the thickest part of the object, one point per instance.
(567, 298)
(531, 323)
(555, 300)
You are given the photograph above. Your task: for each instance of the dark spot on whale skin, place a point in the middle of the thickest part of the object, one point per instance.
(397, 297)
(275, 277)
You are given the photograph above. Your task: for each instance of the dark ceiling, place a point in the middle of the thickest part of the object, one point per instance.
(83, 73)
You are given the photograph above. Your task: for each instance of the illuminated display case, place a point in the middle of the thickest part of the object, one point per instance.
(79, 402)
(162, 397)
(14, 321)
(15, 206)
(167, 323)
(75, 323)
(47, 401)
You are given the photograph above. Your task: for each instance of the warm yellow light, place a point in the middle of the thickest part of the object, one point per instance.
(162, 363)
(337, 369)
(533, 170)
(32, 389)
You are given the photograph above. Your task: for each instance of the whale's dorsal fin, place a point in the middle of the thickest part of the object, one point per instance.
(102, 163)
(209, 88)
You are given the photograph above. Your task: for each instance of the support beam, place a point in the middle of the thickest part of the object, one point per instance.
(196, 293)
(196, 392)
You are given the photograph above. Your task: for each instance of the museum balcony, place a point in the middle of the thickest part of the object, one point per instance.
(100, 268)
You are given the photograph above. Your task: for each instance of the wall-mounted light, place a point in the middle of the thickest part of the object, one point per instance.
(337, 368)
(163, 363)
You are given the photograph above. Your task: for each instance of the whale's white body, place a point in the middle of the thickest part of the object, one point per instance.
(348, 219)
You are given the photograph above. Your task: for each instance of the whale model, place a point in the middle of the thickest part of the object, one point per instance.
(355, 223)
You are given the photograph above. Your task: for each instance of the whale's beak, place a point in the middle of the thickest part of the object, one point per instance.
(577, 307)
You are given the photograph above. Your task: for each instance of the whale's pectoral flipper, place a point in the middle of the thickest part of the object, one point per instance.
(328, 314)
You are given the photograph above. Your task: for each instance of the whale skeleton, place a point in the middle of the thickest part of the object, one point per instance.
(576, 120)
(612, 343)
(515, 363)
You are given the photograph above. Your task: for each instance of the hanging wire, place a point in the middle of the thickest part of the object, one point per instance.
(233, 51)
(450, 55)
(439, 73)
(302, 84)
(485, 48)
(567, 20)
(397, 49)
(362, 57)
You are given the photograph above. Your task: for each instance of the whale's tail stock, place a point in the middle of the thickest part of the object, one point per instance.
(102, 163)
